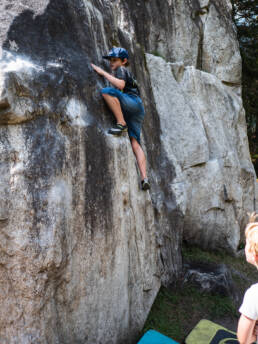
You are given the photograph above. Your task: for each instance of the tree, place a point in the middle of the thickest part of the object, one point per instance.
(245, 16)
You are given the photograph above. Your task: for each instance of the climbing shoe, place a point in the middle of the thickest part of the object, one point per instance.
(117, 129)
(145, 184)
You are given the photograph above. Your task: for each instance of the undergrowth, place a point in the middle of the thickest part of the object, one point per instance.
(177, 310)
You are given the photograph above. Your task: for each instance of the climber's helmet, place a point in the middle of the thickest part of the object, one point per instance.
(117, 52)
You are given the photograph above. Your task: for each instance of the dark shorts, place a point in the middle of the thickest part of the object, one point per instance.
(132, 108)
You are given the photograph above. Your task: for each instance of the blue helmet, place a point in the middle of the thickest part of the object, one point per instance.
(117, 52)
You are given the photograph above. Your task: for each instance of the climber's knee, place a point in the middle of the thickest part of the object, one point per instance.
(109, 98)
(110, 92)
(105, 95)
(107, 91)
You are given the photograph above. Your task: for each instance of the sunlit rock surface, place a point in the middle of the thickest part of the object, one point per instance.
(213, 166)
(83, 251)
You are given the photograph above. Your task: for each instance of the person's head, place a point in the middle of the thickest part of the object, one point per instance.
(251, 234)
(117, 57)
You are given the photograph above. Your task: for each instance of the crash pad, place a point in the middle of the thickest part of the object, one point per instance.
(207, 332)
(154, 337)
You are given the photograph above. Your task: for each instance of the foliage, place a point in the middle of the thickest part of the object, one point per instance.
(245, 16)
(177, 310)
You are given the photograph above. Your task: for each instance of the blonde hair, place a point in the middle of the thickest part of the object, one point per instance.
(251, 233)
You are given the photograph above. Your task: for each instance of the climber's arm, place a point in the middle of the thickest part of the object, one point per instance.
(245, 330)
(114, 81)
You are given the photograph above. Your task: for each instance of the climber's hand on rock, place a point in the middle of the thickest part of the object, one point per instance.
(97, 69)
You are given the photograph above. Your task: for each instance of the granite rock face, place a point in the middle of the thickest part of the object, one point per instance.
(83, 251)
(214, 174)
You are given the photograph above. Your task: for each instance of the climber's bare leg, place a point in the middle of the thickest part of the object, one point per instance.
(115, 107)
(140, 157)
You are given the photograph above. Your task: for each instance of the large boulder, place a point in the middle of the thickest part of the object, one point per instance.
(83, 251)
(212, 165)
(220, 49)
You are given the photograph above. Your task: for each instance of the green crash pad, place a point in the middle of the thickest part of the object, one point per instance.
(207, 332)
(154, 337)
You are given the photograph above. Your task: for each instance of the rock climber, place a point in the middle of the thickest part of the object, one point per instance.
(124, 101)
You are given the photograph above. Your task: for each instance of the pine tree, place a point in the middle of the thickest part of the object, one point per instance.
(245, 16)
